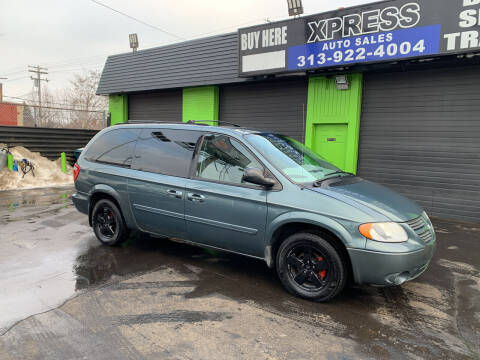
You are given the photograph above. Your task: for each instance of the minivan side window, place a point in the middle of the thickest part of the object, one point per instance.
(166, 151)
(224, 159)
(114, 147)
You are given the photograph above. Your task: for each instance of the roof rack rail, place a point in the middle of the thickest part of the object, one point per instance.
(196, 122)
(202, 123)
(228, 123)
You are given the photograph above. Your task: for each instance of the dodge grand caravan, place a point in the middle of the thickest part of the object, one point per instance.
(255, 193)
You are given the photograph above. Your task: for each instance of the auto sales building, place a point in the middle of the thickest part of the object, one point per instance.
(389, 91)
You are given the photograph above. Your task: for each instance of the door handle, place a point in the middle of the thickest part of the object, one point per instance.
(175, 193)
(195, 197)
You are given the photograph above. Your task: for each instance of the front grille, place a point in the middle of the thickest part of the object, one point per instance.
(421, 228)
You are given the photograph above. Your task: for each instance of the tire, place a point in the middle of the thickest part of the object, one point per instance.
(108, 224)
(310, 267)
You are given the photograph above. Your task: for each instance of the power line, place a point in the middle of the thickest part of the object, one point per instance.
(17, 98)
(137, 20)
(73, 69)
(226, 28)
(19, 78)
(60, 108)
(71, 62)
(48, 102)
(66, 62)
(14, 73)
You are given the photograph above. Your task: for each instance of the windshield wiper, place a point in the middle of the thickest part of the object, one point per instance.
(330, 176)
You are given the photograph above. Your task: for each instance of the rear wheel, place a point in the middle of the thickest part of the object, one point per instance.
(108, 223)
(310, 267)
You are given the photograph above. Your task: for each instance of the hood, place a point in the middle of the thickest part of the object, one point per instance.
(368, 195)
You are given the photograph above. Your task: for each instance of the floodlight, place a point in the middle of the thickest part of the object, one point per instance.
(133, 42)
(342, 82)
(295, 7)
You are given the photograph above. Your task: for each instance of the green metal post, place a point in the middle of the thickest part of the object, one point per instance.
(64, 162)
(10, 161)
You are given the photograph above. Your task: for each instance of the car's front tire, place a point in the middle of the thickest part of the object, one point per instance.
(310, 267)
(108, 224)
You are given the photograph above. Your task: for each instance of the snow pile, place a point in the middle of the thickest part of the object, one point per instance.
(47, 172)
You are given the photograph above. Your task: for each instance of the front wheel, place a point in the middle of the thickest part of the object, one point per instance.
(310, 267)
(108, 224)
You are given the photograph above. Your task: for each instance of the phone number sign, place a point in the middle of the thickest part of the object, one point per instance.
(381, 31)
(368, 48)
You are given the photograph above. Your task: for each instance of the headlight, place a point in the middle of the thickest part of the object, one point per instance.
(385, 232)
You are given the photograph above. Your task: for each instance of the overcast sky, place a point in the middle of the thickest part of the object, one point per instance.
(69, 36)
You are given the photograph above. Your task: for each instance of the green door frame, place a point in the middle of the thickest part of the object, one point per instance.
(328, 105)
(118, 108)
(201, 103)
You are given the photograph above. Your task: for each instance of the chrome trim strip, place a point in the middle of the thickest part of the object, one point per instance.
(158, 211)
(222, 225)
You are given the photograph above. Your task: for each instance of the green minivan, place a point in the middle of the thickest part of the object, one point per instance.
(254, 193)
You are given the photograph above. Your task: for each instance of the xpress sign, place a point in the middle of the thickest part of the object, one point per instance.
(377, 32)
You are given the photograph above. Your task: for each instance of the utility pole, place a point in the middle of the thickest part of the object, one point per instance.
(37, 81)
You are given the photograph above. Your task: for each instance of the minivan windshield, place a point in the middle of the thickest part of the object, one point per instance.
(292, 158)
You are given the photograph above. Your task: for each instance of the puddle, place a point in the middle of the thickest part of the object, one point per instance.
(99, 264)
(11, 200)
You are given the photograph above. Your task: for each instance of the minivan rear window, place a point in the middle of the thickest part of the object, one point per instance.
(166, 151)
(114, 147)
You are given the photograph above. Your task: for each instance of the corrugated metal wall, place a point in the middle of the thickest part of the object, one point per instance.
(420, 135)
(207, 61)
(163, 106)
(274, 106)
(48, 141)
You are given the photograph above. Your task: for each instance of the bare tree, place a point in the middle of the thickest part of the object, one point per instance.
(48, 117)
(81, 95)
(76, 106)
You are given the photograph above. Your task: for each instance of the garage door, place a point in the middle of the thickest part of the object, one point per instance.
(420, 135)
(159, 107)
(274, 106)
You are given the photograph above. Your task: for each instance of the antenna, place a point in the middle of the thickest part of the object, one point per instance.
(303, 140)
(303, 123)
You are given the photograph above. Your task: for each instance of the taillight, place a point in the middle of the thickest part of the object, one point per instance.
(76, 172)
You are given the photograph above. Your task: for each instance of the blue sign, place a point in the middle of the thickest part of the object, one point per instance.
(382, 31)
(414, 42)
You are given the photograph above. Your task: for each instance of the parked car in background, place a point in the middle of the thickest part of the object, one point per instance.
(255, 193)
(77, 153)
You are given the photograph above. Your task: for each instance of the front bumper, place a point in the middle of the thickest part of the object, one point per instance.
(386, 268)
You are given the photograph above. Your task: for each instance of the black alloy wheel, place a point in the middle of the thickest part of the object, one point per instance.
(310, 267)
(108, 223)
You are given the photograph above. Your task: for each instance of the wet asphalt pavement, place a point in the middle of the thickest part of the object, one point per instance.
(64, 296)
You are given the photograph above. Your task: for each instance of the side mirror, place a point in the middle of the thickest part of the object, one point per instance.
(255, 176)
